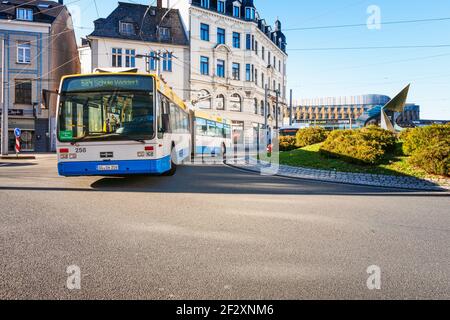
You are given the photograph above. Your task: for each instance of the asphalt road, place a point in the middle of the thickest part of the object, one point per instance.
(216, 233)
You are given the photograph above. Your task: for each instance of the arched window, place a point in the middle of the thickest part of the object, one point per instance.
(204, 100)
(262, 107)
(236, 102)
(256, 106)
(220, 102)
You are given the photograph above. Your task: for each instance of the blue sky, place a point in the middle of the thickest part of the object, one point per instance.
(352, 72)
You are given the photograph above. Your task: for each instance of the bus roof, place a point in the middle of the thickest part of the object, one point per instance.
(161, 86)
(206, 116)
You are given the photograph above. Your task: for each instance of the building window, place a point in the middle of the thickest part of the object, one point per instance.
(250, 13)
(220, 102)
(256, 76)
(130, 58)
(262, 108)
(204, 3)
(263, 84)
(256, 106)
(167, 62)
(248, 42)
(269, 57)
(164, 34)
(263, 53)
(117, 57)
(236, 40)
(236, 71)
(126, 28)
(221, 6)
(23, 92)
(221, 68)
(205, 100)
(220, 36)
(204, 32)
(24, 14)
(236, 102)
(256, 47)
(236, 11)
(204, 65)
(274, 62)
(153, 61)
(248, 72)
(23, 52)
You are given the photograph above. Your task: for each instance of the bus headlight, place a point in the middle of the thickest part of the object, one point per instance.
(72, 156)
(141, 154)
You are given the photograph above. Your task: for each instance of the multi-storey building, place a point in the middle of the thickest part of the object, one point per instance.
(134, 29)
(234, 55)
(35, 61)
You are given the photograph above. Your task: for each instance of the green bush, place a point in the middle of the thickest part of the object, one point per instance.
(434, 159)
(364, 146)
(287, 143)
(418, 139)
(310, 136)
(428, 148)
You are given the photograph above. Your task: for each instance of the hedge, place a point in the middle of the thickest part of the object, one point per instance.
(287, 143)
(419, 138)
(429, 148)
(310, 136)
(364, 146)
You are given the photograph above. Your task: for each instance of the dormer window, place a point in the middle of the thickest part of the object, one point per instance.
(250, 13)
(204, 4)
(24, 14)
(221, 6)
(236, 11)
(126, 28)
(164, 33)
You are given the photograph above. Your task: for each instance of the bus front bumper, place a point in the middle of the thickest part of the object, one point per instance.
(114, 168)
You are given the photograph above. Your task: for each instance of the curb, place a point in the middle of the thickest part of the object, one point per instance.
(431, 189)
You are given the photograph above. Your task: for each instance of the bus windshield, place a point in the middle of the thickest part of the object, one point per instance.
(99, 113)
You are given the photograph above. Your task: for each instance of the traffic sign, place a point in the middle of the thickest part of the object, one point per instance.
(17, 132)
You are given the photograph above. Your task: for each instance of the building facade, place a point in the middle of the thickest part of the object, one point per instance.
(134, 29)
(344, 112)
(35, 61)
(234, 55)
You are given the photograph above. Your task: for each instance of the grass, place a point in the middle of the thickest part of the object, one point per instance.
(393, 164)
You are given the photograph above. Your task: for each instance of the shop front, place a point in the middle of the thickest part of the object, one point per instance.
(27, 139)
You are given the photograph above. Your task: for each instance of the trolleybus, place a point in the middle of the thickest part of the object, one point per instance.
(120, 123)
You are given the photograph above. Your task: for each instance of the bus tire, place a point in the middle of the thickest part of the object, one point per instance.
(173, 165)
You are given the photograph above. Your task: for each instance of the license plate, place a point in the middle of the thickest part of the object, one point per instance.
(108, 168)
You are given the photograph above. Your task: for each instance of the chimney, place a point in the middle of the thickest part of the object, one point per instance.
(159, 4)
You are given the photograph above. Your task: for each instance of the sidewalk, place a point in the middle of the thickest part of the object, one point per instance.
(397, 182)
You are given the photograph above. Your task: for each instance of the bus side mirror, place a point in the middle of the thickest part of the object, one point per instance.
(165, 123)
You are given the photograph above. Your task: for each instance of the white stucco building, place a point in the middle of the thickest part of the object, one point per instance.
(234, 55)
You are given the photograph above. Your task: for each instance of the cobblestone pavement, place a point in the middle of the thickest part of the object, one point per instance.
(402, 182)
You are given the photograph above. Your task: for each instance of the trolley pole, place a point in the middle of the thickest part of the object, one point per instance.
(4, 142)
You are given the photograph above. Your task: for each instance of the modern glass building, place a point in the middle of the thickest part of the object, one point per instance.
(344, 112)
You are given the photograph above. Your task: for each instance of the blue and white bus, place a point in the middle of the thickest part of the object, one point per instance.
(120, 123)
(211, 135)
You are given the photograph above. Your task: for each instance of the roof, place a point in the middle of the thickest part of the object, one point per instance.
(43, 11)
(276, 36)
(134, 14)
